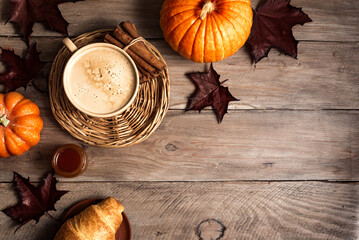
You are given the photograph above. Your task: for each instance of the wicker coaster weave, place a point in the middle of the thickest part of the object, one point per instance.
(131, 127)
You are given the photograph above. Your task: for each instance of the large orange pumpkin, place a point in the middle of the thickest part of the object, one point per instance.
(206, 30)
(20, 124)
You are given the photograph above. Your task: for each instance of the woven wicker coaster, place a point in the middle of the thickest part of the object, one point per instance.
(131, 127)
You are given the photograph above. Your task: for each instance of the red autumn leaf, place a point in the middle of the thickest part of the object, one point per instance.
(25, 13)
(272, 27)
(35, 201)
(210, 92)
(19, 71)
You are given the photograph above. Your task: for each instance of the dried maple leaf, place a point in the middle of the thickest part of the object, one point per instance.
(272, 27)
(35, 201)
(19, 71)
(25, 13)
(209, 92)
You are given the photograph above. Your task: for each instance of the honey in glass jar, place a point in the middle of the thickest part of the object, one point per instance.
(69, 160)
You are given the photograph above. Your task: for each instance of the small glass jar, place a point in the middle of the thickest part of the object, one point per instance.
(69, 160)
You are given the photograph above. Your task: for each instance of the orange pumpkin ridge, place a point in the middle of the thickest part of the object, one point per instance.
(217, 36)
(206, 30)
(20, 126)
(227, 45)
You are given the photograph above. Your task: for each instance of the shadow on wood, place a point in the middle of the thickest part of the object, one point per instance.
(146, 18)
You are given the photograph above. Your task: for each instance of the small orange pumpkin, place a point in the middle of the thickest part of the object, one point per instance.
(20, 124)
(206, 30)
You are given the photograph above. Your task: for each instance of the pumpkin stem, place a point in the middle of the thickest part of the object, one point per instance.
(208, 7)
(3, 120)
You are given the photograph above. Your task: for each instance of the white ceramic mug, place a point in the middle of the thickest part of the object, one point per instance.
(102, 86)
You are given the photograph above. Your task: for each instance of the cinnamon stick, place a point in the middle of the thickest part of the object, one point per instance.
(138, 49)
(140, 76)
(145, 75)
(133, 25)
(139, 61)
(131, 29)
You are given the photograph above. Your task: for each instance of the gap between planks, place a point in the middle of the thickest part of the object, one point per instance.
(205, 181)
(248, 211)
(161, 38)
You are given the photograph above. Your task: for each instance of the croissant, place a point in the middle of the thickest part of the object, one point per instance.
(97, 222)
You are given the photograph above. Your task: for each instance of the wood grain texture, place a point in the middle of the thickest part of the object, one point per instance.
(248, 145)
(296, 210)
(175, 184)
(325, 75)
(332, 21)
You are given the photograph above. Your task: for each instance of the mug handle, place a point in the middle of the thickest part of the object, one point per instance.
(69, 45)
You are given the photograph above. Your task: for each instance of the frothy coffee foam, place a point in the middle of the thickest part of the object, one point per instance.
(102, 80)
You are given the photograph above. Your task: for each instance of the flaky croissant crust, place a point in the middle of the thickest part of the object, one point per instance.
(97, 222)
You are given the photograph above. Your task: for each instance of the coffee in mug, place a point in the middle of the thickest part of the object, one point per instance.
(101, 80)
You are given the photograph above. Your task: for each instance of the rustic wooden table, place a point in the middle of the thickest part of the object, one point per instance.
(284, 164)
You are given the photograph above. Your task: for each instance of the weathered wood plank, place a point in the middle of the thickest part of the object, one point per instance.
(332, 21)
(248, 145)
(324, 77)
(186, 210)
